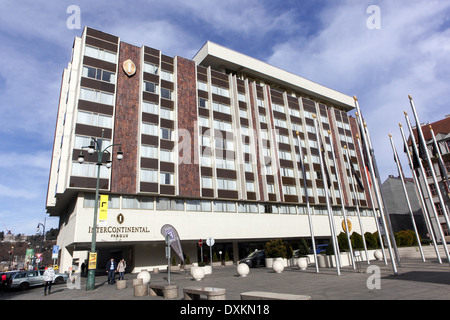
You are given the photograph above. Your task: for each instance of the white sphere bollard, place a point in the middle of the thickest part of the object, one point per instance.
(378, 254)
(243, 269)
(145, 276)
(302, 263)
(197, 273)
(278, 266)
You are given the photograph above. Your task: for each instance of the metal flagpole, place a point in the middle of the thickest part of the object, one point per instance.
(400, 172)
(430, 195)
(430, 163)
(311, 229)
(377, 193)
(380, 191)
(327, 198)
(347, 231)
(421, 196)
(444, 173)
(357, 205)
(372, 201)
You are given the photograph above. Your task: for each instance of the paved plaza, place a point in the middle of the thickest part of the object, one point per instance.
(416, 280)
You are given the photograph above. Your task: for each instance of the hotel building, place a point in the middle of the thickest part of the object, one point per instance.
(209, 146)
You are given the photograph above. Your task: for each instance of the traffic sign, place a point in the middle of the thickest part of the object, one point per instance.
(210, 241)
(55, 252)
(200, 243)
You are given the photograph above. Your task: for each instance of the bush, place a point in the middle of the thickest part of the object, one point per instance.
(343, 242)
(371, 240)
(188, 260)
(303, 248)
(227, 256)
(215, 259)
(357, 240)
(405, 238)
(174, 262)
(276, 249)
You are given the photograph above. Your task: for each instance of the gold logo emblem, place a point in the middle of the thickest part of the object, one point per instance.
(120, 218)
(129, 67)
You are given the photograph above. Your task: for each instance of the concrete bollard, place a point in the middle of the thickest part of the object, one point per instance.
(170, 292)
(137, 281)
(121, 284)
(140, 290)
(155, 270)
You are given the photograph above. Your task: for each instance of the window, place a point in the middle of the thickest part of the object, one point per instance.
(222, 125)
(150, 87)
(96, 96)
(149, 151)
(203, 122)
(294, 112)
(166, 75)
(198, 205)
(166, 93)
(250, 186)
(279, 122)
(241, 96)
(226, 184)
(166, 113)
(205, 161)
(248, 207)
(202, 85)
(278, 107)
(89, 170)
(150, 107)
(207, 182)
(169, 204)
(98, 74)
(101, 54)
(223, 144)
(203, 103)
(285, 155)
(129, 202)
(220, 91)
(150, 68)
(166, 178)
(166, 134)
(224, 206)
(166, 155)
(94, 119)
(148, 175)
(149, 129)
(220, 107)
(225, 164)
(270, 188)
(289, 190)
(81, 141)
(287, 172)
(89, 201)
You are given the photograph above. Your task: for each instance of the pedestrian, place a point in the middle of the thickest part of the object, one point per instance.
(4, 283)
(111, 267)
(49, 277)
(83, 268)
(121, 268)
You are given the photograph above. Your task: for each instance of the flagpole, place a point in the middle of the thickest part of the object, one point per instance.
(400, 173)
(430, 195)
(421, 196)
(327, 198)
(372, 201)
(380, 191)
(441, 162)
(347, 231)
(357, 205)
(377, 193)
(311, 229)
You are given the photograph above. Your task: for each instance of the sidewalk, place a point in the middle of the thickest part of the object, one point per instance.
(416, 280)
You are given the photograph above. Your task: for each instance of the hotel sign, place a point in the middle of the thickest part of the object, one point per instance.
(120, 231)
(129, 67)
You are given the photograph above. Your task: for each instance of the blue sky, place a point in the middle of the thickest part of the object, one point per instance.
(327, 42)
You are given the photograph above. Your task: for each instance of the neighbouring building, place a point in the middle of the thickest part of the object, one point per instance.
(209, 146)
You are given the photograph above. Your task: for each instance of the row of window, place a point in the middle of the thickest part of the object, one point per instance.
(173, 204)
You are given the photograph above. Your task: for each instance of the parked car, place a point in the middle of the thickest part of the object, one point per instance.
(255, 259)
(320, 248)
(25, 279)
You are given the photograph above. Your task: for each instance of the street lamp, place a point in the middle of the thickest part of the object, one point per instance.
(96, 147)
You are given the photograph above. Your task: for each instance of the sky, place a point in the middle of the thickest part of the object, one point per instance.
(378, 51)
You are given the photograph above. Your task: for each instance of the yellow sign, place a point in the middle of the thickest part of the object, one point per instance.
(103, 216)
(349, 225)
(92, 260)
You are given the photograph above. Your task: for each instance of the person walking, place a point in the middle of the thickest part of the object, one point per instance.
(111, 267)
(121, 268)
(49, 277)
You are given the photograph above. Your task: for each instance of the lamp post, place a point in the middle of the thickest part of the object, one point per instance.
(43, 235)
(96, 147)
